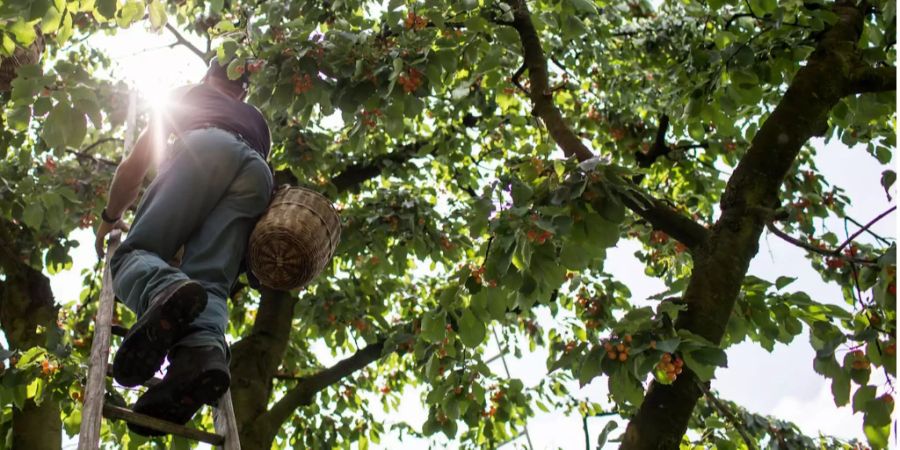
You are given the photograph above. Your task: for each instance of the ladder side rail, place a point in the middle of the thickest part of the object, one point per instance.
(225, 422)
(91, 414)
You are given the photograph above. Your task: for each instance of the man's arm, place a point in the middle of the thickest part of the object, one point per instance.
(129, 177)
(126, 184)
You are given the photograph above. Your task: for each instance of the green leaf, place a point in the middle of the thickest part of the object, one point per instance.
(107, 8)
(877, 436)
(591, 365)
(33, 215)
(604, 433)
(840, 388)
(612, 210)
(9, 46)
(51, 20)
(862, 396)
(783, 281)
(583, 6)
(157, 15)
(521, 192)
(888, 177)
(23, 32)
(130, 12)
(878, 412)
(668, 345)
(42, 106)
(471, 330)
(433, 326)
(600, 232)
(19, 117)
(38, 9)
(624, 388)
(31, 355)
(65, 127)
(574, 256)
(65, 31)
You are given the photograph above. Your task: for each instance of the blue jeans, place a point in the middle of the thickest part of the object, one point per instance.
(207, 197)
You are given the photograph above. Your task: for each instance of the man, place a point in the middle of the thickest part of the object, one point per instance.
(210, 191)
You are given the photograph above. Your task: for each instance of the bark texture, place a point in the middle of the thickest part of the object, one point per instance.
(27, 306)
(721, 264)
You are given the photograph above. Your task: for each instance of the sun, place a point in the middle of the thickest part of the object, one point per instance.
(148, 62)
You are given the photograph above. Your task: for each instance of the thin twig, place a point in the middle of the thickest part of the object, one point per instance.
(516, 76)
(587, 437)
(812, 248)
(83, 153)
(866, 227)
(186, 43)
(735, 17)
(722, 408)
(876, 236)
(99, 141)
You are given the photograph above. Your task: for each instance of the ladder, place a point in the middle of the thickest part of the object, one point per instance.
(95, 408)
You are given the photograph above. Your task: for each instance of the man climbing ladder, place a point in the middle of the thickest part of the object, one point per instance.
(211, 188)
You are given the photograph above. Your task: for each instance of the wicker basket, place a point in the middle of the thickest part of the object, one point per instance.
(295, 239)
(9, 66)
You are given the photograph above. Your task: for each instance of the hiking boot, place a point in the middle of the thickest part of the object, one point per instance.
(165, 322)
(195, 376)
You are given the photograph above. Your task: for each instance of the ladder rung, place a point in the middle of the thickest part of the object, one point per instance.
(119, 330)
(115, 412)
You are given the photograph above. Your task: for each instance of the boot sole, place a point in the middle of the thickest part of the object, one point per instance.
(145, 347)
(177, 401)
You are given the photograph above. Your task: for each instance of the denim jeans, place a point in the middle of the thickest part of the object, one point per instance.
(207, 197)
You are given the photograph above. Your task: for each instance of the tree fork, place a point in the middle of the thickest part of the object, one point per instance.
(722, 263)
(660, 215)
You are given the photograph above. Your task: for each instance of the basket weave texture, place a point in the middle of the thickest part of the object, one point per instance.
(9, 66)
(295, 239)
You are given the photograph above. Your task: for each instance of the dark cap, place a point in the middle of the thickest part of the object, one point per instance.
(219, 71)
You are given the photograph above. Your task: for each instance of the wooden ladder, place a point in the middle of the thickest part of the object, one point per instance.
(95, 408)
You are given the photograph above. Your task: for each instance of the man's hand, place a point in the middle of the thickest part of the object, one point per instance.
(104, 229)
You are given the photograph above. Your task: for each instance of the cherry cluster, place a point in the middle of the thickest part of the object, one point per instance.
(411, 80)
(414, 22)
(618, 351)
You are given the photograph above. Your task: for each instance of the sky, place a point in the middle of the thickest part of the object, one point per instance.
(781, 383)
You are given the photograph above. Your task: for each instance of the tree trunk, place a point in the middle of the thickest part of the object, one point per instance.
(254, 360)
(27, 307)
(37, 427)
(721, 263)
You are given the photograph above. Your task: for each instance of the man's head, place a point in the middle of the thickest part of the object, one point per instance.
(217, 77)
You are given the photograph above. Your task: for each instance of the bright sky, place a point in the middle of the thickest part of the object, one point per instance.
(782, 384)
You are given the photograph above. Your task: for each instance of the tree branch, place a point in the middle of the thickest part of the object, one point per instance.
(355, 174)
(874, 235)
(721, 264)
(728, 415)
(664, 218)
(541, 95)
(83, 153)
(303, 393)
(659, 147)
(181, 40)
(657, 213)
(866, 227)
(873, 79)
(836, 253)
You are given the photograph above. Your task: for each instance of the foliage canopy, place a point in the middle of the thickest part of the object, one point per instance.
(488, 155)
